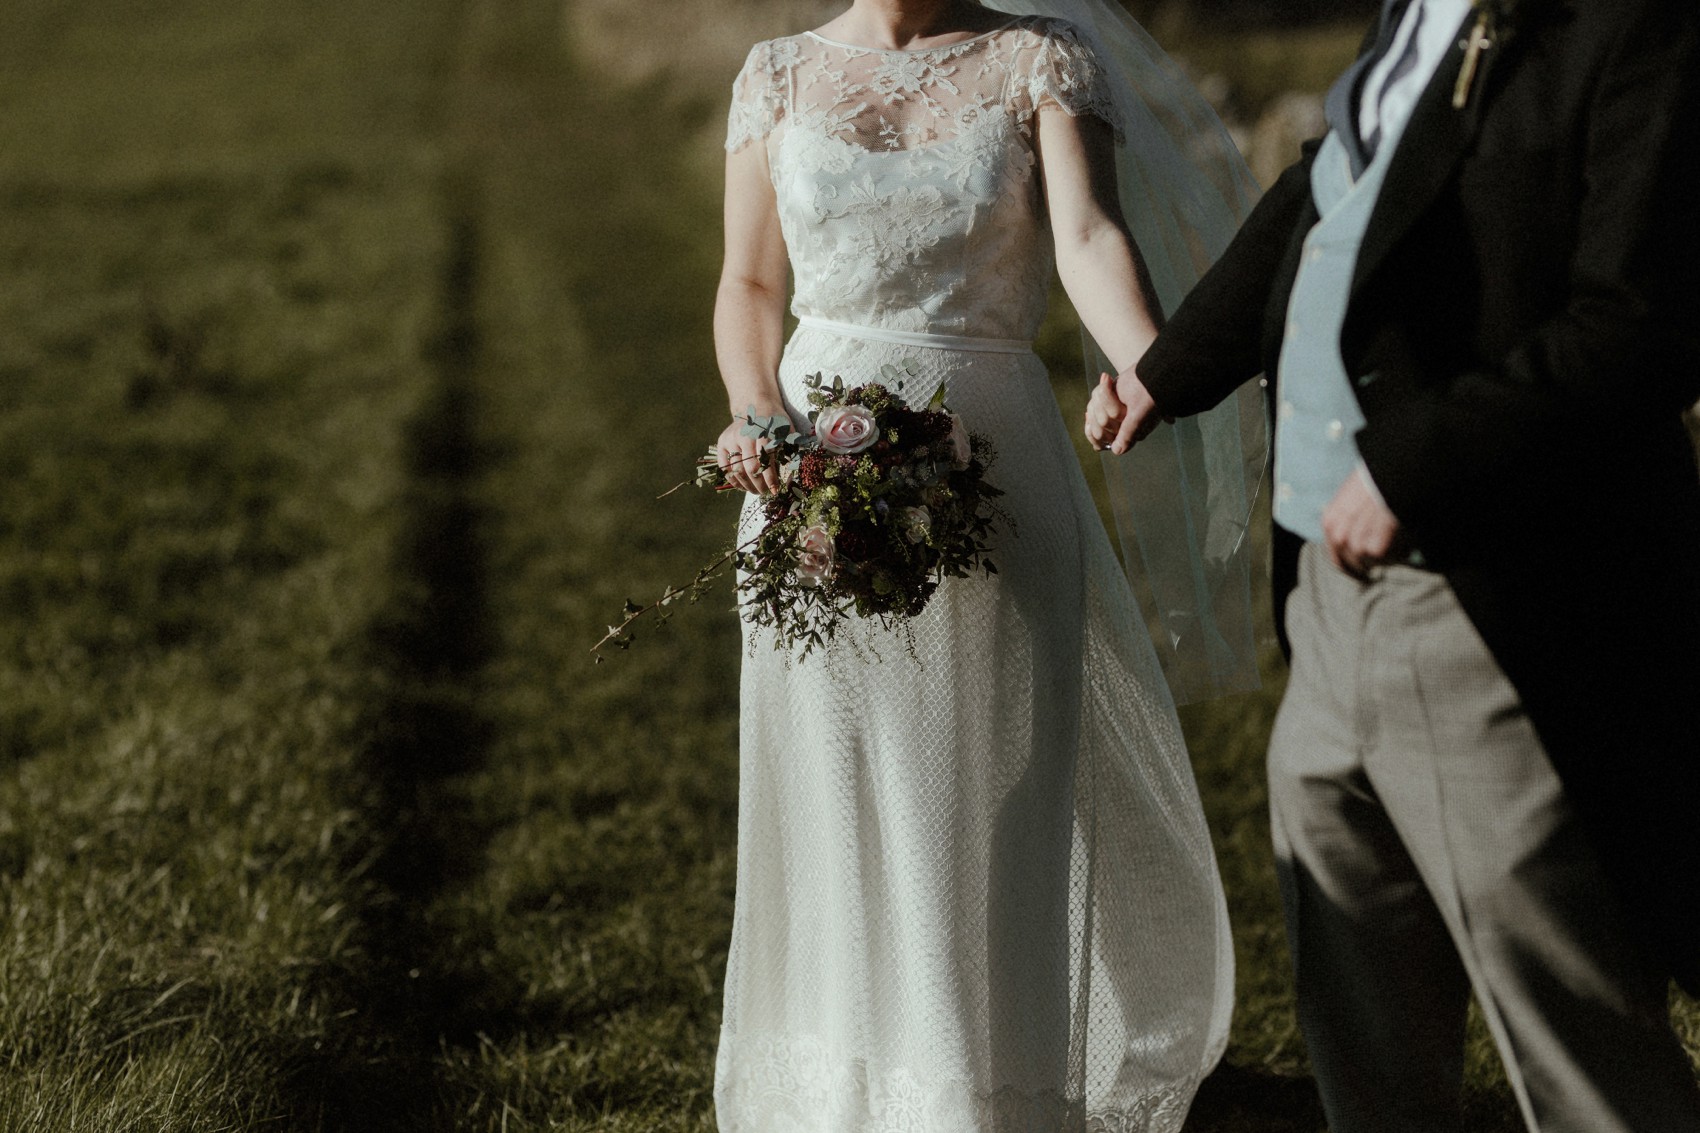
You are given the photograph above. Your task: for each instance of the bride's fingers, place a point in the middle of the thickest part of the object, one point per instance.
(739, 476)
(1100, 424)
(770, 468)
(732, 463)
(747, 468)
(1105, 403)
(1103, 415)
(754, 472)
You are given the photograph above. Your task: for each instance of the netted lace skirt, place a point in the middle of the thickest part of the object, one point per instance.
(975, 890)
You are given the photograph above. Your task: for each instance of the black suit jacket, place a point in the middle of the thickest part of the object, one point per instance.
(1522, 338)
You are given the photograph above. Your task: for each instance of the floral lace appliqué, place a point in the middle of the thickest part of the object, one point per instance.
(907, 180)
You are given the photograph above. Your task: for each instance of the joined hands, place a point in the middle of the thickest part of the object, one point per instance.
(1358, 529)
(1121, 413)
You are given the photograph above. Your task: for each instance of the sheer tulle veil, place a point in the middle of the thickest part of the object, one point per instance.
(1183, 497)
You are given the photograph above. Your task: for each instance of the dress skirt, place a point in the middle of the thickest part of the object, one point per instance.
(975, 891)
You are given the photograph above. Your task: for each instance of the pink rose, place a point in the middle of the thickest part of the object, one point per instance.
(961, 448)
(814, 556)
(846, 429)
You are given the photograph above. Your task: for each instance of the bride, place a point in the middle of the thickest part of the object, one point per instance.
(975, 891)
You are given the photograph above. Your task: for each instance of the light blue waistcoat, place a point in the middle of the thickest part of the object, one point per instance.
(1318, 414)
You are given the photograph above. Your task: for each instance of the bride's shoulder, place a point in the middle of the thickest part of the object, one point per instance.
(776, 54)
(1042, 28)
(759, 92)
(1049, 42)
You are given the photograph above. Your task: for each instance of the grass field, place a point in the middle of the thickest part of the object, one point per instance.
(343, 348)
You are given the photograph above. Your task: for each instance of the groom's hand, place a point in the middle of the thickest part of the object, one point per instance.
(1141, 414)
(1358, 528)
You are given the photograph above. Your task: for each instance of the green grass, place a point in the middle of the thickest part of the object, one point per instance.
(214, 312)
(343, 349)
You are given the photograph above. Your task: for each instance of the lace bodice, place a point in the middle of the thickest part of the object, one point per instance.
(907, 181)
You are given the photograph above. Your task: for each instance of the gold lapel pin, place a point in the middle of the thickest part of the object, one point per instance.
(1481, 39)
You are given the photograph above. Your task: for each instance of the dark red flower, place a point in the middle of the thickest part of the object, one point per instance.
(811, 470)
(859, 542)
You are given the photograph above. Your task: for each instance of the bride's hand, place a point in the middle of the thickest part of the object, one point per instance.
(741, 459)
(1104, 413)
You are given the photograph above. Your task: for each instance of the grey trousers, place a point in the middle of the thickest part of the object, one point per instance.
(1426, 849)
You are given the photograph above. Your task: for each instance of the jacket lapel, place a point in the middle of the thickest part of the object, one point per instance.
(1434, 141)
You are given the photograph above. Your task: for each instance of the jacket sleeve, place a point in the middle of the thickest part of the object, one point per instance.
(1213, 342)
(1625, 347)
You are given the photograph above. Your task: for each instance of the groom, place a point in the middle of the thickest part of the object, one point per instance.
(1479, 298)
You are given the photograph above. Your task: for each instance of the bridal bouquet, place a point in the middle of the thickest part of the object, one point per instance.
(877, 505)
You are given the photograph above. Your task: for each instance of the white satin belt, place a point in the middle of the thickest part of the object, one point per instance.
(918, 338)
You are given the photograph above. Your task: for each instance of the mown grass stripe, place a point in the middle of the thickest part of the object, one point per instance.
(316, 481)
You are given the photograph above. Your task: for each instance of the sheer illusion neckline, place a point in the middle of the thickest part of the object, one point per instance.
(1005, 26)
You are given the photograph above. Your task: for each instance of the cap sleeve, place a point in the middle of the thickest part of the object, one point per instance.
(757, 101)
(1066, 73)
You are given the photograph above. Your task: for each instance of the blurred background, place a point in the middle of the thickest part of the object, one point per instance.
(345, 346)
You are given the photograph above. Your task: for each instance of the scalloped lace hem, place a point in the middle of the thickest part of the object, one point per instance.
(791, 1084)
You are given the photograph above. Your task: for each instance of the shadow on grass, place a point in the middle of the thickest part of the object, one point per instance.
(1238, 1098)
(423, 728)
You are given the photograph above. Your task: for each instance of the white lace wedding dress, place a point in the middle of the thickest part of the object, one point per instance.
(975, 891)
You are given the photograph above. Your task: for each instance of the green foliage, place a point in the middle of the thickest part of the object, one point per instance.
(775, 430)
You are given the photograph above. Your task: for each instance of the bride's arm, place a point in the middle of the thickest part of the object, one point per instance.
(1097, 259)
(749, 312)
